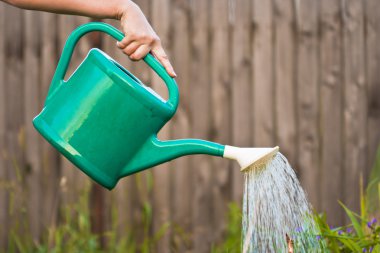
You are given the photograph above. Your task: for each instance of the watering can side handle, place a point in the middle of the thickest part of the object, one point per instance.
(74, 37)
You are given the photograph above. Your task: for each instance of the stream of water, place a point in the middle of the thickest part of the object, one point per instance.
(277, 216)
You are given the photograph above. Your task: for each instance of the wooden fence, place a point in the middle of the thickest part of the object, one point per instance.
(301, 74)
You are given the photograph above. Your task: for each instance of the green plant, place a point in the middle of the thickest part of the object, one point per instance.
(362, 234)
(74, 234)
(232, 240)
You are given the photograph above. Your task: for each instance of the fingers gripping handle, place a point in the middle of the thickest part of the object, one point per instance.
(118, 35)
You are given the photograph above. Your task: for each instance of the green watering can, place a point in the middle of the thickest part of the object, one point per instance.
(105, 121)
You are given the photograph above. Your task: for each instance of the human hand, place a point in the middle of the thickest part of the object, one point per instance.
(140, 38)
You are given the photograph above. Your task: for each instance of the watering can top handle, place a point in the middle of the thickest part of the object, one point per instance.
(118, 35)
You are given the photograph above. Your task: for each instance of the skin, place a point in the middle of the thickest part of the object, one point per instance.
(140, 38)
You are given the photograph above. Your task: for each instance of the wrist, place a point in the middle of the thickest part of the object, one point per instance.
(124, 8)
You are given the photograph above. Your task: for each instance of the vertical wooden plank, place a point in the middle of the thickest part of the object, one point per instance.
(14, 91)
(75, 181)
(32, 107)
(3, 170)
(355, 102)
(263, 75)
(72, 180)
(220, 112)
(373, 78)
(133, 192)
(285, 105)
(200, 123)
(331, 108)
(161, 188)
(142, 182)
(125, 190)
(308, 97)
(241, 86)
(181, 185)
(50, 170)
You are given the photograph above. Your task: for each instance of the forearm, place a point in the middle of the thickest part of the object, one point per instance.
(91, 8)
(140, 38)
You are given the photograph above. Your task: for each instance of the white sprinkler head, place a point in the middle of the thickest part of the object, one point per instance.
(248, 157)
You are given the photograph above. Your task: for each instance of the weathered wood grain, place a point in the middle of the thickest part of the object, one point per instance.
(285, 90)
(142, 193)
(31, 84)
(373, 78)
(355, 102)
(50, 170)
(72, 180)
(125, 191)
(14, 117)
(3, 131)
(331, 92)
(200, 109)
(241, 86)
(161, 187)
(263, 74)
(221, 86)
(181, 186)
(307, 97)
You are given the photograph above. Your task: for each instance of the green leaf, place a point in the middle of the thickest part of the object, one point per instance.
(355, 222)
(372, 191)
(21, 248)
(351, 245)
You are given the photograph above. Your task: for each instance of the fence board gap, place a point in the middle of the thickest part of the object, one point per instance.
(373, 79)
(3, 170)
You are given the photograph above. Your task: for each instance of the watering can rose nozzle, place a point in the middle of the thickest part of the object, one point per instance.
(250, 157)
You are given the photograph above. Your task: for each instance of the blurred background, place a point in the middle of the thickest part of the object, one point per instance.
(300, 74)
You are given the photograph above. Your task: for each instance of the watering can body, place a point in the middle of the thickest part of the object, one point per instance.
(105, 121)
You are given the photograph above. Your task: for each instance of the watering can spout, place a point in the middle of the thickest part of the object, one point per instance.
(155, 152)
(250, 157)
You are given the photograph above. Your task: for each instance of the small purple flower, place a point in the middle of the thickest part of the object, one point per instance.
(364, 250)
(371, 249)
(340, 232)
(349, 230)
(371, 223)
(299, 229)
(318, 237)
